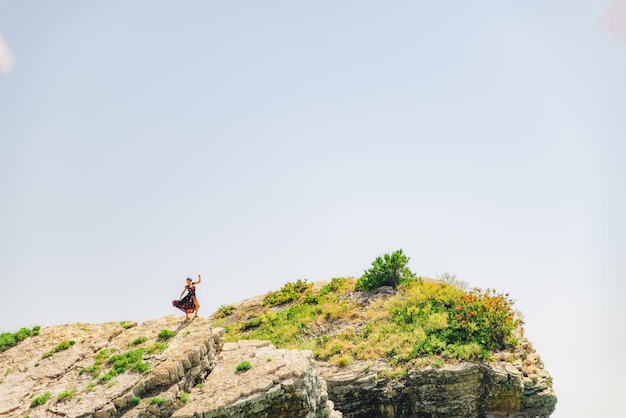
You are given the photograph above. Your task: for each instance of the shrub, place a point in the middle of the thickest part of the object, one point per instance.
(66, 396)
(165, 334)
(252, 323)
(131, 360)
(344, 361)
(156, 348)
(184, 397)
(157, 401)
(125, 325)
(40, 400)
(335, 285)
(139, 340)
(8, 339)
(62, 346)
(452, 280)
(224, 310)
(243, 366)
(135, 401)
(97, 364)
(388, 270)
(288, 293)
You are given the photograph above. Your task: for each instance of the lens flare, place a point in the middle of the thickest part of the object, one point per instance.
(613, 20)
(6, 59)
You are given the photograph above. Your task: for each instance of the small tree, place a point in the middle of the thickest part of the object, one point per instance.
(388, 270)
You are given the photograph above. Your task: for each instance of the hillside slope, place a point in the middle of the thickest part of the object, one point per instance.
(307, 350)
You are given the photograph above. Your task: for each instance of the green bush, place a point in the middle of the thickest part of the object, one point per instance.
(252, 323)
(67, 395)
(336, 284)
(135, 401)
(131, 360)
(388, 270)
(184, 397)
(288, 293)
(157, 401)
(139, 340)
(40, 400)
(244, 365)
(125, 325)
(62, 346)
(165, 334)
(224, 310)
(10, 339)
(156, 348)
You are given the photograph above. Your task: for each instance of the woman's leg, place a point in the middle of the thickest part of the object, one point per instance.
(197, 305)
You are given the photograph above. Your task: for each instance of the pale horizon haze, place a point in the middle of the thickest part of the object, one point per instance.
(258, 143)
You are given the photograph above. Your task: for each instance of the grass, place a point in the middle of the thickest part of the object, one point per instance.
(139, 340)
(224, 310)
(184, 397)
(61, 347)
(126, 325)
(66, 396)
(130, 360)
(165, 334)
(243, 366)
(425, 322)
(157, 401)
(40, 400)
(156, 348)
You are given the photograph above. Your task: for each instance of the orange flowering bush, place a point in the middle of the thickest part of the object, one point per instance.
(486, 318)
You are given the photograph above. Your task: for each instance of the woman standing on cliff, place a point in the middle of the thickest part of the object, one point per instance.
(189, 304)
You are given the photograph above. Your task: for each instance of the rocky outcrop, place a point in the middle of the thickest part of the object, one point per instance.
(278, 384)
(63, 371)
(453, 390)
(166, 367)
(173, 368)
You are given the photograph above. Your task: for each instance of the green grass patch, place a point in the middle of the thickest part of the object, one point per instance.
(288, 293)
(224, 310)
(243, 366)
(66, 396)
(40, 400)
(131, 360)
(165, 334)
(139, 340)
(157, 401)
(126, 325)
(61, 347)
(156, 348)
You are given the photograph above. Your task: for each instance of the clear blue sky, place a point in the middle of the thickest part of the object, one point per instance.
(262, 142)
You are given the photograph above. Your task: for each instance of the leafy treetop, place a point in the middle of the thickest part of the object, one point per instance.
(388, 270)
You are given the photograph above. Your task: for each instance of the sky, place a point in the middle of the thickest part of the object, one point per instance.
(257, 143)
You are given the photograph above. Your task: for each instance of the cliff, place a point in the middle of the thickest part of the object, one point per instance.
(172, 368)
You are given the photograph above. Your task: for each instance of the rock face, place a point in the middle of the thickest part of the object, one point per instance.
(460, 390)
(279, 384)
(191, 374)
(35, 371)
(172, 368)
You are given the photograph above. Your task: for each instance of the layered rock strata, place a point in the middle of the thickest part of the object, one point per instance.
(277, 384)
(186, 370)
(41, 380)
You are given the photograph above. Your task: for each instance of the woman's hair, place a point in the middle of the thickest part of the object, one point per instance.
(189, 278)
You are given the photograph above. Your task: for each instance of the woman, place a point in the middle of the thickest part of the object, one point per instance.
(189, 303)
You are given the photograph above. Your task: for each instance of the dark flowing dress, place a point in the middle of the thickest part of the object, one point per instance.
(186, 304)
